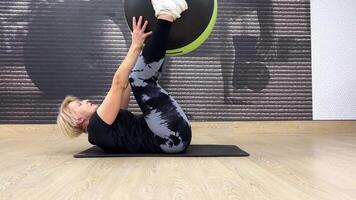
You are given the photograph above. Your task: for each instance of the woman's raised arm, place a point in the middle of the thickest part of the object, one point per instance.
(110, 107)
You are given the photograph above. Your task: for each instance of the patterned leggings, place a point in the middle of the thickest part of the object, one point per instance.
(163, 115)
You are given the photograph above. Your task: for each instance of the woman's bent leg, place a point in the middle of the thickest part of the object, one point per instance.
(162, 113)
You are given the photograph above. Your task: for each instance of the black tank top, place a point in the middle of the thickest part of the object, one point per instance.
(128, 134)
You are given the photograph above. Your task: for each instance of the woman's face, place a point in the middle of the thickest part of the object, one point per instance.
(82, 109)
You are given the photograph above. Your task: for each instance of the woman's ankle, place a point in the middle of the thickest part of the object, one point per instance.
(166, 17)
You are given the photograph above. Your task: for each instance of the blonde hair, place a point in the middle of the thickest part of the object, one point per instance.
(66, 121)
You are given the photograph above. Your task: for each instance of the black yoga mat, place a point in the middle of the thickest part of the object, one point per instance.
(195, 150)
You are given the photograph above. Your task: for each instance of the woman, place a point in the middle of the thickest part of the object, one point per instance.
(163, 127)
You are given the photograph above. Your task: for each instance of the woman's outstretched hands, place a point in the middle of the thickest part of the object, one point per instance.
(138, 32)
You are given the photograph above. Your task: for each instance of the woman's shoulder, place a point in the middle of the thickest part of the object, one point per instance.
(95, 123)
(122, 115)
(95, 118)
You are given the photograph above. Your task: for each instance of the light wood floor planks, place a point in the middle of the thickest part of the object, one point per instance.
(289, 160)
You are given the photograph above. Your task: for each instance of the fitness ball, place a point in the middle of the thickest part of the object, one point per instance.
(188, 32)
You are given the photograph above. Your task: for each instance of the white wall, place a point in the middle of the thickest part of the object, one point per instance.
(333, 25)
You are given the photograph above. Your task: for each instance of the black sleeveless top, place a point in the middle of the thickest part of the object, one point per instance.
(128, 134)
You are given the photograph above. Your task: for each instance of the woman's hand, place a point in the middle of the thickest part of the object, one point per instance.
(138, 33)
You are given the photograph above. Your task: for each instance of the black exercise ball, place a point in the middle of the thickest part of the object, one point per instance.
(188, 32)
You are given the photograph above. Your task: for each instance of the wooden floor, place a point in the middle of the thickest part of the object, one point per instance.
(289, 160)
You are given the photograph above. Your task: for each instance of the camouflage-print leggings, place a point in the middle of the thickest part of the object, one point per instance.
(163, 115)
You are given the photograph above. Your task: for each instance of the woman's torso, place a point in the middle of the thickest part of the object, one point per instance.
(128, 133)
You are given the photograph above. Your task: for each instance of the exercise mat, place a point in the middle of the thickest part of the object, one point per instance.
(195, 150)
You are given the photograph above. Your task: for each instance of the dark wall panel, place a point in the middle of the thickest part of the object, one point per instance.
(256, 65)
